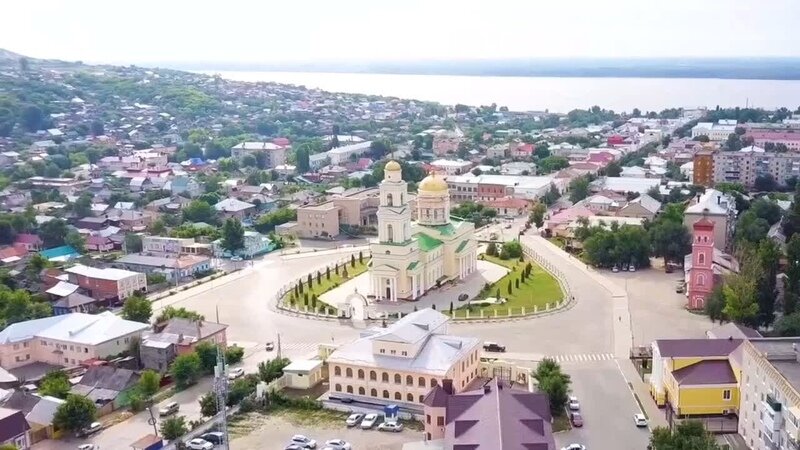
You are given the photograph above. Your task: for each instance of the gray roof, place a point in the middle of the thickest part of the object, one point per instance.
(107, 377)
(74, 300)
(706, 372)
(43, 412)
(696, 348)
(732, 330)
(22, 401)
(191, 330)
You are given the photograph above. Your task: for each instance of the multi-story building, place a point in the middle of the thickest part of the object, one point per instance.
(401, 363)
(351, 211)
(715, 131)
(164, 245)
(451, 167)
(275, 154)
(791, 139)
(751, 162)
(701, 274)
(67, 340)
(469, 419)
(717, 207)
(177, 337)
(703, 168)
(173, 267)
(107, 283)
(341, 155)
(769, 416)
(446, 141)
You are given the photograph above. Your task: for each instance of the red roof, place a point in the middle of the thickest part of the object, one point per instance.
(282, 141)
(506, 202)
(704, 223)
(525, 148)
(778, 136)
(97, 240)
(10, 252)
(615, 139)
(26, 238)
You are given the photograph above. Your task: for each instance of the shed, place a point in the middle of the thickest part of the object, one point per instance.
(304, 373)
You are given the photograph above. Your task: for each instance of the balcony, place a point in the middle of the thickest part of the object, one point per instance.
(773, 416)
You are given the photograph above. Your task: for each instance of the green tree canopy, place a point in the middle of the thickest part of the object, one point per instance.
(75, 414)
(199, 211)
(173, 427)
(53, 232)
(149, 383)
(137, 308)
(232, 235)
(171, 312)
(553, 382)
(687, 435)
(185, 369)
(55, 384)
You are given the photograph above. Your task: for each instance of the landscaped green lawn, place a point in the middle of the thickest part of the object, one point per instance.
(538, 290)
(325, 285)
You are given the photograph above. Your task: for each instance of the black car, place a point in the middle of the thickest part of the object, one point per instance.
(463, 297)
(215, 437)
(493, 347)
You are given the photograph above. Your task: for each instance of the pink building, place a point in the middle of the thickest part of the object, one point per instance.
(701, 274)
(789, 139)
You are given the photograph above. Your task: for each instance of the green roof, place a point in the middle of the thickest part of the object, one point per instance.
(412, 266)
(427, 243)
(462, 245)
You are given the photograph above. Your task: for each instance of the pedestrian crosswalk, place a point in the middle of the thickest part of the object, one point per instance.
(588, 357)
(299, 346)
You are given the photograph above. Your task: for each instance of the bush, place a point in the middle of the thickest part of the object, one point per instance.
(234, 354)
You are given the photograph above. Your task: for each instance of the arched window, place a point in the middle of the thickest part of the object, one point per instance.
(390, 237)
(385, 377)
(360, 374)
(385, 393)
(337, 371)
(701, 279)
(338, 388)
(701, 258)
(361, 391)
(398, 396)
(705, 238)
(373, 393)
(410, 397)
(409, 380)
(373, 376)
(433, 382)
(389, 199)
(421, 398)
(421, 382)
(349, 389)
(397, 378)
(348, 373)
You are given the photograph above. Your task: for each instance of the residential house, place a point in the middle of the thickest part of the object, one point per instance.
(40, 418)
(104, 386)
(14, 429)
(163, 245)
(183, 184)
(31, 242)
(450, 167)
(97, 243)
(174, 268)
(401, 363)
(66, 340)
(231, 207)
(493, 414)
(508, 206)
(107, 283)
(131, 220)
(275, 154)
(178, 337)
(255, 244)
(643, 206)
(717, 207)
(74, 303)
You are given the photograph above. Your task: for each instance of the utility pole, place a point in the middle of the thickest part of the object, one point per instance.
(221, 391)
(279, 346)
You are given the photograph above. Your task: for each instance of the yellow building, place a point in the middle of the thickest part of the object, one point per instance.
(697, 377)
(413, 256)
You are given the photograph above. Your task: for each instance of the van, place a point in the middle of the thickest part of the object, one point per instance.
(168, 409)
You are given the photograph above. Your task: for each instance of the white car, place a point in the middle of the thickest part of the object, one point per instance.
(305, 441)
(391, 426)
(338, 444)
(640, 420)
(199, 444)
(235, 373)
(574, 447)
(236, 258)
(369, 421)
(353, 419)
(574, 404)
(87, 447)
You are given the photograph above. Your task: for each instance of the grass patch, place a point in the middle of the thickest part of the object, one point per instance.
(325, 284)
(305, 417)
(539, 289)
(561, 423)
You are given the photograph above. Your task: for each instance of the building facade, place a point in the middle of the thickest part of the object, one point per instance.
(108, 283)
(275, 154)
(703, 168)
(717, 207)
(410, 258)
(701, 275)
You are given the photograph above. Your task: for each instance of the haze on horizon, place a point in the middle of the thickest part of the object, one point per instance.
(241, 31)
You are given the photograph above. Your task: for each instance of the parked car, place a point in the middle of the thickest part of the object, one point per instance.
(463, 297)
(614, 268)
(199, 444)
(236, 258)
(391, 426)
(632, 268)
(346, 399)
(640, 420)
(91, 429)
(169, 409)
(573, 403)
(304, 440)
(369, 421)
(338, 444)
(679, 289)
(270, 346)
(354, 419)
(215, 437)
(235, 373)
(87, 447)
(294, 447)
(576, 419)
(574, 447)
(493, 347)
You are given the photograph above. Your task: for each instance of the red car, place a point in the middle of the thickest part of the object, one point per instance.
(576, 419)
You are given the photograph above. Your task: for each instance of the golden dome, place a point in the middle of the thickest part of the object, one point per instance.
(392, 166)
(432, 183)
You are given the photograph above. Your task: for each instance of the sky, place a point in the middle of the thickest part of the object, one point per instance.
(270, 31)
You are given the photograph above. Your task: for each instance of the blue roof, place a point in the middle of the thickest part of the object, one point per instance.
(59, 252)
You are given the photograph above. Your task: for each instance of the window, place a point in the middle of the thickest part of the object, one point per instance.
(394, 352)
(383, 350)
(397, 378)
(86, 350)
(361, 391)
(385, 393)
(440, 421)
(337, 371)
(409, 380)
(433, 382)
(404, 353)
(385, 377)
(701, 258)
(372, 375)
(398, 396)
(390, 233)
(348, 373)
(726, 394)
(421, 382)
(66, 360)
(701, 279)
(338, 388)
(410, 397)
(349, 389)
(16, 346)
(360, 374)
(72, 348)
(428, 419)
(373, 393)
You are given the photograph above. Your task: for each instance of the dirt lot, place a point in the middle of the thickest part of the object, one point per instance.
(274, 431)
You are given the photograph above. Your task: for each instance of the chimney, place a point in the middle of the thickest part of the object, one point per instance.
(180, 338)
(447, 385)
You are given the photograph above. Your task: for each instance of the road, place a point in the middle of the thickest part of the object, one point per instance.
(591, 340)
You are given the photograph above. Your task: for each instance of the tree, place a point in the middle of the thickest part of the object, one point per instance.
(670, 240)
(76, 241)
(133, 243)
(173, 427)
(82, 207)
(765, 183)
(53, 232)
(185, 369)
(739, 292)
(687, 435)
(75, 414)
(97, 128)
(537, 214)
(232, 235)
(613, 169)
(149, 383)
(7, 232)
(579, 189)
(208, 405)
(199, 211)
(353, 261)
(791, 223)
(788, 326)
(552, 163)
(715, 304)
(272, 369)
(553, 382)
(766, 209)
(207, 352)
(137, 308)
(491, 249)
(750, 228)
(170, 312)
(267, 222)
(234, 354)
(767, 257)
(510, 250)
(32, 118)
(55, 384)
(302, 156)
(733, 143)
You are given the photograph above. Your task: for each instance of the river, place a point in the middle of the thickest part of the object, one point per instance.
(553, 94)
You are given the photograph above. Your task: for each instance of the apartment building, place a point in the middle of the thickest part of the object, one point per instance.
(715, 131)
(769, 415)
(703, 168)
(451, 167)
(401, 363)
(356, 208)
(275, 154)
(67, 340)
(791, 139)
(717, 207)
(751, 162)
(341, 155)
(107, 283)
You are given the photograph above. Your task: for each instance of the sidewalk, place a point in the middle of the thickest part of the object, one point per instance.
(641, 390)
